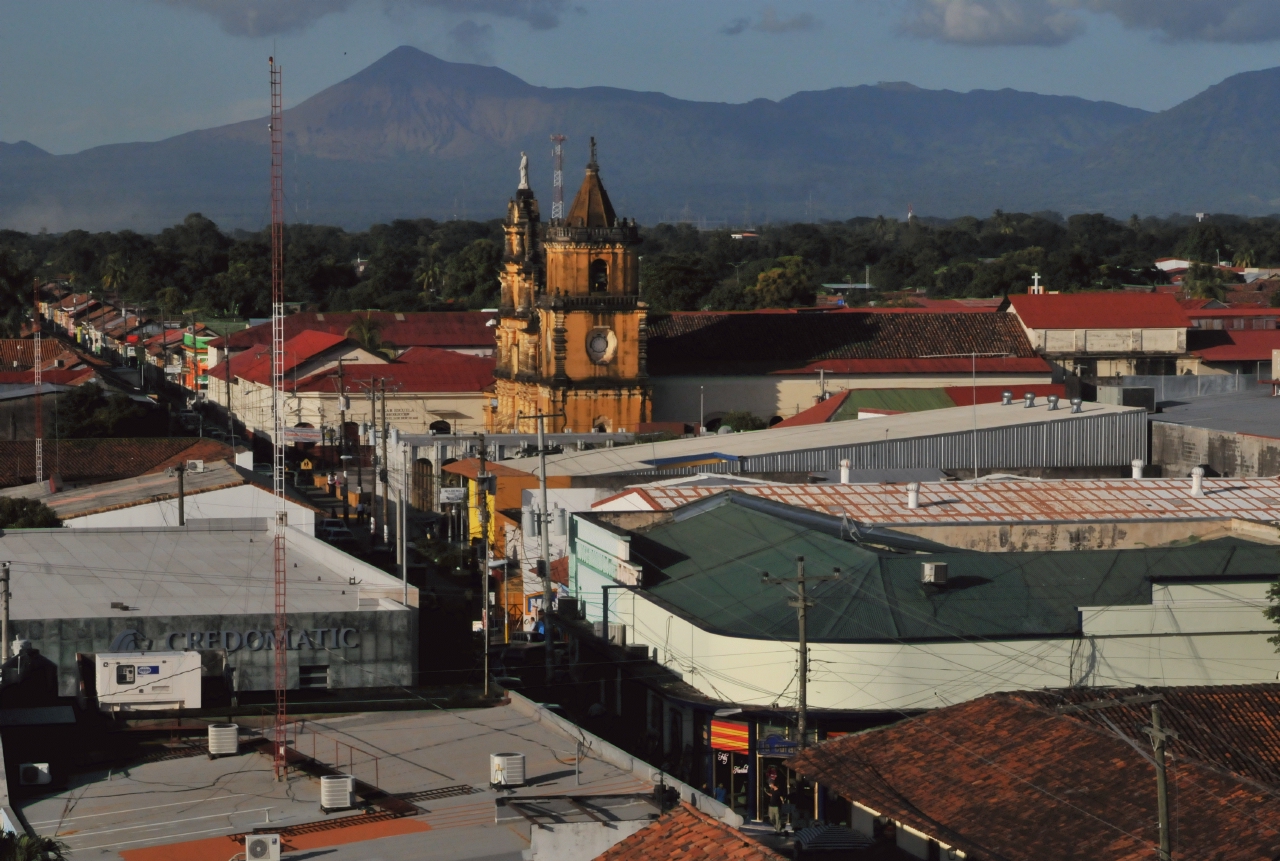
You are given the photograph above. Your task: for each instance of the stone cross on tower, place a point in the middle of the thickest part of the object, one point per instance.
(1036, 289)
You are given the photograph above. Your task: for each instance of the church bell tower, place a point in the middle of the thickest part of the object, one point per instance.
(571, 338)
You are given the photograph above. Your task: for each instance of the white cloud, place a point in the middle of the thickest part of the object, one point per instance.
(992, 22)
(1054, 22)
(278, 17)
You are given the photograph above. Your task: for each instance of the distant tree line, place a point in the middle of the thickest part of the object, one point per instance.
(412, 265)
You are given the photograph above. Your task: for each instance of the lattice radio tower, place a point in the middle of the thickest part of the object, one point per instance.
(39, 386)
(277, 411)
(557, 178)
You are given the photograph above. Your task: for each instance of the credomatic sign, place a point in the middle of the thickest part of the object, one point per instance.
(253, 640)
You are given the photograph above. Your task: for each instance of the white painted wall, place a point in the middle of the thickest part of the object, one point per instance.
(1184, 638)
(675, 398)
(247, 500)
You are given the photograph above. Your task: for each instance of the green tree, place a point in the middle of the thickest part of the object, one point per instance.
(17, 513)
(367, 332)
(88, 412)
(677, 282)
(742, 420)
(786, 285)
(1207, 282)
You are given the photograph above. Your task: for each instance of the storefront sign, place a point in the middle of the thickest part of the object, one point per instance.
(729, 735)
(453, 494)
(232, 641)
(776, 745)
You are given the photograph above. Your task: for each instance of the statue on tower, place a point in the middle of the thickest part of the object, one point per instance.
(524, 172)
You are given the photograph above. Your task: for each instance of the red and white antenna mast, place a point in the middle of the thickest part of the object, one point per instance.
(39, 385)
(557, 178)
(277, 411)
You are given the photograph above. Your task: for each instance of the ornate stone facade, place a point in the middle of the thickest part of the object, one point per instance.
(571, 338)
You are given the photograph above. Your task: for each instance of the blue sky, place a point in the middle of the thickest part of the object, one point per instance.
(81, 73)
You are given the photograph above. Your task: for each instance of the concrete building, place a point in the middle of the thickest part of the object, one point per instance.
(1038, 438)
(778, 363)
(689, 588)
(210, 586)
(1231, 434)
(1105, 334)
(995, 516)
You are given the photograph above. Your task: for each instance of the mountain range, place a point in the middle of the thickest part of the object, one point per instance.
(415, 136)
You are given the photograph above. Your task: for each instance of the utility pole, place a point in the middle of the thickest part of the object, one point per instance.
(404, 529)
(342, 437)
(1158, 736)
(181, 470)
(800, 600)
(544, 535)
(386, 535)
(4, 610)
(482, 505)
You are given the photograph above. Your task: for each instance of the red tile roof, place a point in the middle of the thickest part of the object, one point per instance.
(1113, 310)
(410, 329)
(852, 341)
(1234, 726)
(51, 376)
(96, 460)
(469, 467)
(1233, 345)
(687, 834)
(255, 365)
(443, 371)
(1001, 777)
(817, 414)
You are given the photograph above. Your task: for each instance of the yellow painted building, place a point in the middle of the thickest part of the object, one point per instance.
(571, 338)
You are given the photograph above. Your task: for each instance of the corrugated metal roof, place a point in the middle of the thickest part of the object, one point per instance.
(708, 567)
(1007, 437)
(1067, 501)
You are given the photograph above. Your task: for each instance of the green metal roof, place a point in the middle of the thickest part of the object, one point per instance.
(707, 566)
(900, 400)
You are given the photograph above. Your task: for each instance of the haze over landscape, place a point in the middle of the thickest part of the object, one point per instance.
(415, 135)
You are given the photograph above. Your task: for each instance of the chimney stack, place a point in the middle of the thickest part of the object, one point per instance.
(1029, 400)
(1197, 481)
(913, 495)
(844, 471)
(1137, 468)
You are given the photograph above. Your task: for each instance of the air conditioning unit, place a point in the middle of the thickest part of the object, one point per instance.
(34, 774)
(262, 847)
(934, 572)
(195, 466)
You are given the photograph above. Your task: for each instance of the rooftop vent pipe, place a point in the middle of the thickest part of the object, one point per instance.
(1006, 398)
(1137, 468)
(1197, 481)
(1076, 405)
(844, 471)
(913, 495)
(1053, 401)
(1029, 400)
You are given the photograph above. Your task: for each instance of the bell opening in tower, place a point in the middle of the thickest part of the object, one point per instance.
(598, 276)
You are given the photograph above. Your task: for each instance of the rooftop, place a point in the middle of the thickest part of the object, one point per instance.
(1252, 411)
(854, 341)
(82, 461)
(1111, 310)
(1064, 501)
(169, 571)
(688, 834)
(742, 447)
(157, 486)
(1047, 787)
(407, 329)
(193, 808)
(429, 370)
(706, 565)
(1233, 345)
(845, 405)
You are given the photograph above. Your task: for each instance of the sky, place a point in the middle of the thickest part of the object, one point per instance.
(76, 74)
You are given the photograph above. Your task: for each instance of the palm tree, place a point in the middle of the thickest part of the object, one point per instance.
(114, 274)
(15, 847)
(429, 277)
(366, 332)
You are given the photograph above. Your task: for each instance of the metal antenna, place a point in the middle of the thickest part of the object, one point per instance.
(39, 386)
(557, 178)
(277, 410)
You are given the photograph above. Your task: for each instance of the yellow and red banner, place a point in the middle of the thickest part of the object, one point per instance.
(729, 735)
